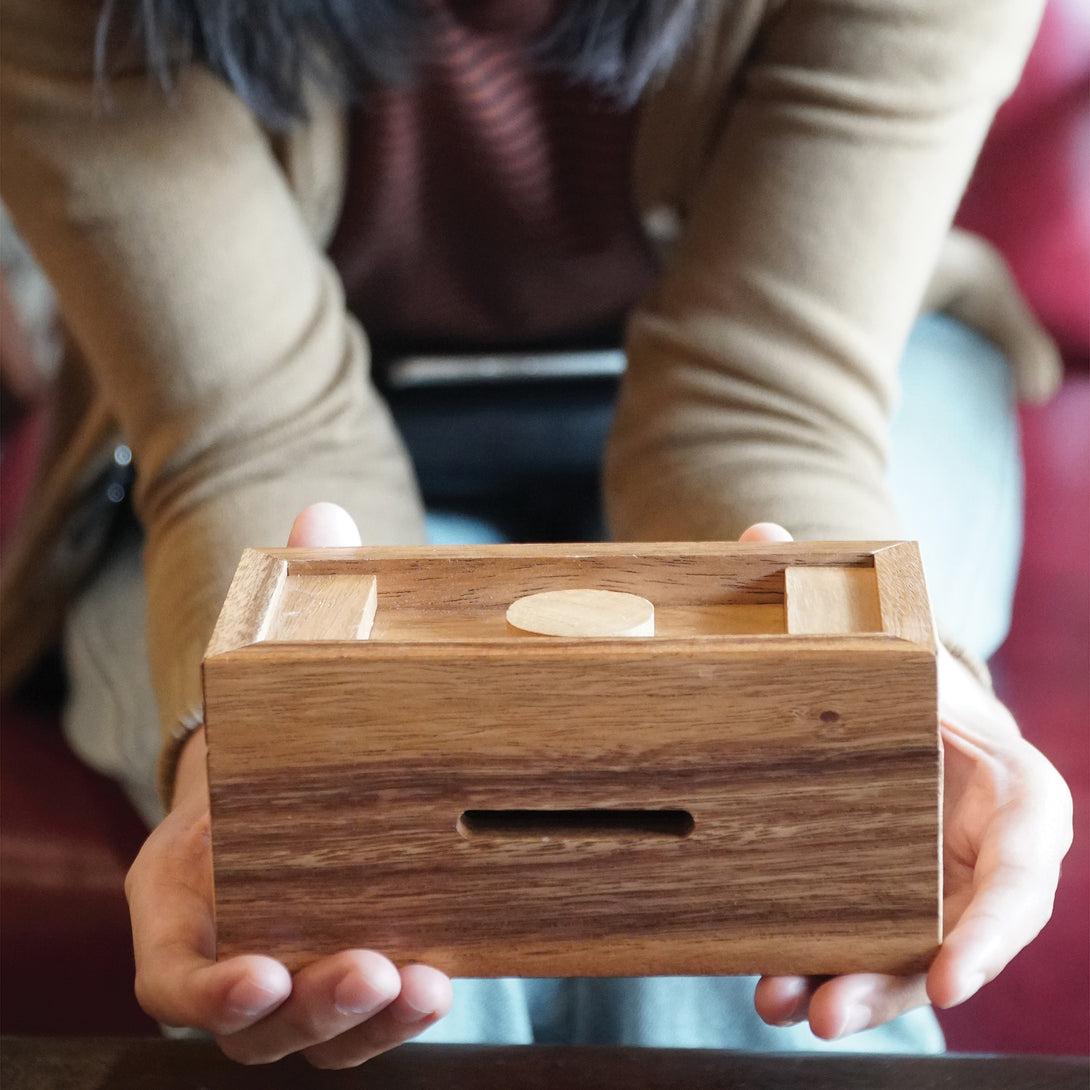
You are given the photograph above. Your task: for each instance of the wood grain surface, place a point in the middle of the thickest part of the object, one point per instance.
(831, 601)
(806, 767)
(582, 612)
(902, 595)
(323, 607)
(51, 1063)
(725, 797)
(251, 602)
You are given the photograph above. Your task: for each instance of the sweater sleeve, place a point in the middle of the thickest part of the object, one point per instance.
(215, 326)
(762, 370)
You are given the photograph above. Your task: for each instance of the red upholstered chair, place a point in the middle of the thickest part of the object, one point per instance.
(1030, 196)
(67, 836)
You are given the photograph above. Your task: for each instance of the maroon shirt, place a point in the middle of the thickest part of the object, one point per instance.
(490, 202)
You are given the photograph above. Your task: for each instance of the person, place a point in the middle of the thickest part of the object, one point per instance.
(760, 191)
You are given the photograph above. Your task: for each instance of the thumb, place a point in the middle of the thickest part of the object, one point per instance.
(766, 531)
(324, 525)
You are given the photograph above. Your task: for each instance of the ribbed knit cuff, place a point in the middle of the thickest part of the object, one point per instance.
(171, 753)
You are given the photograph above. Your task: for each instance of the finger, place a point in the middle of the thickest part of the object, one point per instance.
(785, 1000)
(850, 1004)
(1011, 904)
(1016, 874)
(323, 525)
(329, 997)
(170, 903)
(425, 997)
(178, 987)
(765, 531)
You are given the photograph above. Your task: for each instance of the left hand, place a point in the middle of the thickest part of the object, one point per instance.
(1007, 824)
(338, 1011)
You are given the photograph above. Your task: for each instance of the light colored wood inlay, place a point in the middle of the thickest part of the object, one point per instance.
(578, 612)
(324, 607)
(831, 601)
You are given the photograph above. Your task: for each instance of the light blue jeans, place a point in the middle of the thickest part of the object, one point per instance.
(956, 475)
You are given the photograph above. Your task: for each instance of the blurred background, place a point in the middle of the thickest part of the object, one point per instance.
(68, 835)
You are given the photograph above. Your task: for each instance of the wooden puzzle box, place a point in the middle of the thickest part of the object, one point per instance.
(749, 782)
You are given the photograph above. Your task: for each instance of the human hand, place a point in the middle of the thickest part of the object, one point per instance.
(1007, 824)
(338, 1011)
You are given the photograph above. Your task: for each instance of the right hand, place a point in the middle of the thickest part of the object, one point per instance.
(338, 1011)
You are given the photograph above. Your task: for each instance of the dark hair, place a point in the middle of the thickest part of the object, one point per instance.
(267, 49)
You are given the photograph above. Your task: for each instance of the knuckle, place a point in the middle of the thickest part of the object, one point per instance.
(134, 876)
(149, 999)
(309, 1024)
(334, 1059)
(363, 1043)
(242, 1051)
(1039, 913)
(323, 1062)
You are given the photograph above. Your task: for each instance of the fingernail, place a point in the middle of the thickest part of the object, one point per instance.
(355, 1006)
(412, 1014)
(351, 998)
(251, 999)
(857, 1018)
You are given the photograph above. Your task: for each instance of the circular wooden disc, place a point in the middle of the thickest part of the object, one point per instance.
(582, 613)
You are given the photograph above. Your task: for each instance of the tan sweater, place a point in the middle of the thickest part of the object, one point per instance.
(800, 168)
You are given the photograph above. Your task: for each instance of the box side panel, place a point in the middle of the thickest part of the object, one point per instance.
(812, 785)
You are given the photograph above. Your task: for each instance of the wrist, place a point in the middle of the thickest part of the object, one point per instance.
(191, 771)
(970, 709)
(182, 760)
